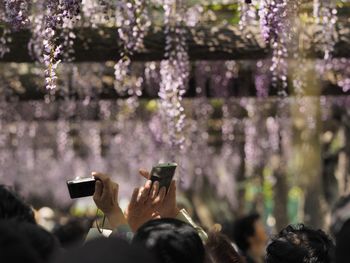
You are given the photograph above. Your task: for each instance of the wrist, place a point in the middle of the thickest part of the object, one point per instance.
(133, 225)
(176, 212)
(116, 218)
(172, 213)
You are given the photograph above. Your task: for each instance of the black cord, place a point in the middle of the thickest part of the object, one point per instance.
(100, 228)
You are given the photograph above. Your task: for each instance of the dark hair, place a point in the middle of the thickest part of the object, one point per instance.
(300, 244)
(340, 214)
(43, 242)
(106, 250)
(171, 241)
(220, 249)
(342, 241)
(244, 228)
(71, 234)
(14, 247)
(12, 207)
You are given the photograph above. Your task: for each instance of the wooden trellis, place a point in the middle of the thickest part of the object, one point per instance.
(204, 43)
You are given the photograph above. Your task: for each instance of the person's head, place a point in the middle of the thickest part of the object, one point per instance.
(43, 242)
(171, 241)
(106, 250)
(340, 214)
(249, 235)
(71, 234)
(220, 249)
(342, 252)
(14, 247)
(300, 244)
(13, 207)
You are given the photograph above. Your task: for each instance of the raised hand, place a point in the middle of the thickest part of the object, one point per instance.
(144, 204)
(106, 199)
(168, 207)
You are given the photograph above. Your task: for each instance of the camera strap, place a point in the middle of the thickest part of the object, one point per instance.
(100, 228)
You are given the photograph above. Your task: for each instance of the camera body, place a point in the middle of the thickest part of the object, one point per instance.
(81, 187)
(164, 174)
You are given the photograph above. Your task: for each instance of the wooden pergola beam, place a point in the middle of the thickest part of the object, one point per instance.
(204, 43)
(241, 86)
(99, 45)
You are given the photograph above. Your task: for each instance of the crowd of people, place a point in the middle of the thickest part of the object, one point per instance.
(154, 229)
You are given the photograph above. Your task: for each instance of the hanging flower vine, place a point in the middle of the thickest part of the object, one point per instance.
(14, 15)
(53, 36)
(4, 40)
(71, 14)
(325, 13)
(277, 27)
(174, 72)
(51, 51)
(132, 23)
(17, 13)
(248, 15)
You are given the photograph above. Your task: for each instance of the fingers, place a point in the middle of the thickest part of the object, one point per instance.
(134, 196)
(160, 197)
(103, 182)
(139, 195)
(106, 194)
(144, 173)
(100, 176)
(98, 190)
(162, 194)
(155, 190)
(172, 189)
(145, 192)
(106, 187)
(148, 186)
(156, 216)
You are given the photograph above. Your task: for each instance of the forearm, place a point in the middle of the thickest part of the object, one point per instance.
(116, 218)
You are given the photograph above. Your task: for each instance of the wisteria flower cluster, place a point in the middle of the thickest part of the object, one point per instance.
(47, 18)
(4, 40)
(61, 14)
(174, 72)
(325, 13)
(71, 8)
(278, 28)
(71, 14)
(338, 68)
(125, 82)
(262, 79)
(248, 14)
(132, 23)
(51, 50)
(17, 13)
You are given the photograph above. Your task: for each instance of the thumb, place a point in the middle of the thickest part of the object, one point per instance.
(156, 216)
(116, 192)
(144, 173)
(98, 189)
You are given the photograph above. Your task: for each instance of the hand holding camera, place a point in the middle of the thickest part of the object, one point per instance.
(156, 199)
(144, 203)
(168, 208)
(106, 199)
